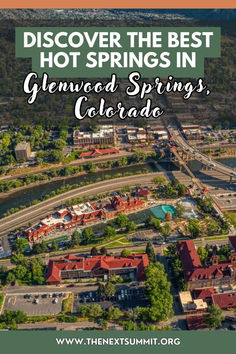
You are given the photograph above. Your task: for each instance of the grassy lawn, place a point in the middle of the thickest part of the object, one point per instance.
(139, 251)
(125, 240)
(67, 304)
(215, 238)
(115, 244)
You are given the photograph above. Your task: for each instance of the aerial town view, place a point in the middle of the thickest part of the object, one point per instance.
(120, 225)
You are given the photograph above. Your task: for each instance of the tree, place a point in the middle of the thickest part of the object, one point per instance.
(93, 310)
(20, 245)
(88, 235)
(212, 226)
(122, 220)
(179, 210)
(125, 253)
(109, 232)
(6, 140)
(37, 271)
(194, 228)
(94, 251)
(54, 246)
(114, 313)
(130, 326)
(139, 155)
(110, 289)
(103, 250)
(10, 277)
(168, 216)
(56, 155)
(75, 239)
(44, 247)
(203, 254)
(214, 316)
(20, 272)
(150, 252)
(165, 230)
(158, 292)
(101, 290)
(12, 317)
(153, 222)
(159, 181)
(131, 226)
(18, 259)
(59, 144)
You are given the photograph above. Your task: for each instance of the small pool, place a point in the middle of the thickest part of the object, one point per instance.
(161, 210)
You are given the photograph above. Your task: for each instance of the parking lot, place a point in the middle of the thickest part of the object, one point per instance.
(125, 298)
(34, 305)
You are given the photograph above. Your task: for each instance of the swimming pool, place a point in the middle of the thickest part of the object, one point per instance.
(161, 210)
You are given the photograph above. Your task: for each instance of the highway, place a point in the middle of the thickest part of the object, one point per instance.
(194, 153)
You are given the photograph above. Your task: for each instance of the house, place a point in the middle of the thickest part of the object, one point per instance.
(98, 267)
(142, 192)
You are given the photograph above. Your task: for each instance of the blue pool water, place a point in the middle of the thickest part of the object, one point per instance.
(161, 210)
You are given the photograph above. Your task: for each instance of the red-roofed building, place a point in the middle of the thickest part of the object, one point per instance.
(100, 267)
(204, 294)
(82, 214)
(195, 322)
(98, 152)
(225, 301)
(218, 274)
(142, 192)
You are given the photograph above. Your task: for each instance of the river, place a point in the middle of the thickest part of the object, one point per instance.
(26, 196)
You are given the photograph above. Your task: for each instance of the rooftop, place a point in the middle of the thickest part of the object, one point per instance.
(21, 146)
(224, 301)
(71, 262)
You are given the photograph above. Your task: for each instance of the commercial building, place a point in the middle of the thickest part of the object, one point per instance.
(22, 151)
(218, 274)
(136, 135)
(98, 267)
(191, 131)
(82, 214)
(106, 135)
(157, 132)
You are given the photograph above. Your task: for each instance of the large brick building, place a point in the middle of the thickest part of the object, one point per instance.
(99, 267)
(82, 214)
(219, 274)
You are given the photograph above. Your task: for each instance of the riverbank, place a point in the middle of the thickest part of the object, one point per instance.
(66, 178)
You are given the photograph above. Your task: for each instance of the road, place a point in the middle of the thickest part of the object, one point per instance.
(194, 153)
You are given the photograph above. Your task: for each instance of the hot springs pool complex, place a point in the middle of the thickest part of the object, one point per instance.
(161, 210)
